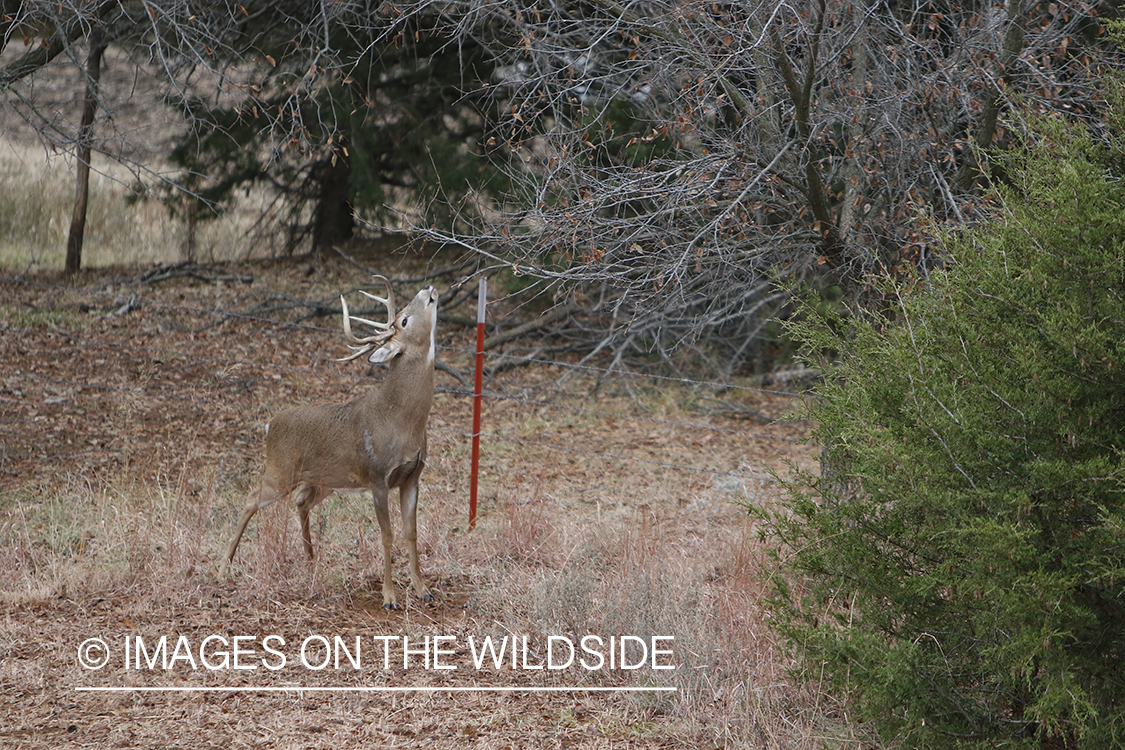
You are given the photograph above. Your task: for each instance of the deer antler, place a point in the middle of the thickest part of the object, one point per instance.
(361, 346)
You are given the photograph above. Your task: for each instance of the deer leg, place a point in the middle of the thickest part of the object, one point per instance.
(265, 495)
(379, 493)
(307, 498)
(408, 502)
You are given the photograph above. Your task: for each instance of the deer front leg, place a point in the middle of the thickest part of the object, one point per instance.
(408, 502)
(247, 513)
(379, 493)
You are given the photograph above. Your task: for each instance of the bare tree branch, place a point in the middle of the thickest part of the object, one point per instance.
(679, 159)
(71, 25)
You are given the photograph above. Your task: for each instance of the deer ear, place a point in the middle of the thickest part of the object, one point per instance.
(385, 353)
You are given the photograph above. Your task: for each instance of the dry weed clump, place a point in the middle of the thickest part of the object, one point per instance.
(654, 573)
(76, 539)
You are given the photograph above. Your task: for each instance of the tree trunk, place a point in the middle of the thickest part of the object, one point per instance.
(801, 95)
(332, 216)
(85, 136)
(852, 171)
(970, 169)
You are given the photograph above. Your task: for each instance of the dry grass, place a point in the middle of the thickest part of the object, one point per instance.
(119, 493)
(529, 568)
(656, 567)
(37, 199)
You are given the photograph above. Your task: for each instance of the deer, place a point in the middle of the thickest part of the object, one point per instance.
(375, 442)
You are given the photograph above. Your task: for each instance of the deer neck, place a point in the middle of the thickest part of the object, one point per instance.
(407, 392)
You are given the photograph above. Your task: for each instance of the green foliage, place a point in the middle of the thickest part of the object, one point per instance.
(959, 566)
(414, 133)
(214, 158)
(617, 134)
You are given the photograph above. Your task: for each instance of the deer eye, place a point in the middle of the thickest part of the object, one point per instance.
(405, 318)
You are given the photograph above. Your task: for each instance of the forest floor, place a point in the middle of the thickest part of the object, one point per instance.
(134, 412)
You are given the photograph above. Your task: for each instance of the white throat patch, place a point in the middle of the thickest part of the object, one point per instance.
(433, 337)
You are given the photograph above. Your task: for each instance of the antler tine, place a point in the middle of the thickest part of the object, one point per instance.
(359, 352)
(361, 346)
(373, 323)
(389, 300)
(390, 310)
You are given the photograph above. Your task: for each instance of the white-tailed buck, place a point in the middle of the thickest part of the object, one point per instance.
(376, 442)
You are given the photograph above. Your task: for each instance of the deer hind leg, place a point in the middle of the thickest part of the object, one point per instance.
(265, 496)
(379, 493)
(307, 498)
(408, 502)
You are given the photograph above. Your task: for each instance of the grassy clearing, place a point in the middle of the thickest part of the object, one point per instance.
(37, 199)
(698, 573)
(542, 561)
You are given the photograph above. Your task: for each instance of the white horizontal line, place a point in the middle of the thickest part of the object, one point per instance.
(369, 689)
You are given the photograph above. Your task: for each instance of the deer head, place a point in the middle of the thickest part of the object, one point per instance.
(392, 338)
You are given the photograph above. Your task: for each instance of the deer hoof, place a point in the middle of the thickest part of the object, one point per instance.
(390, 605)
(427, 597)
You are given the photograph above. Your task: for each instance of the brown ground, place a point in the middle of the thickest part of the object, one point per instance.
(127, 442)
